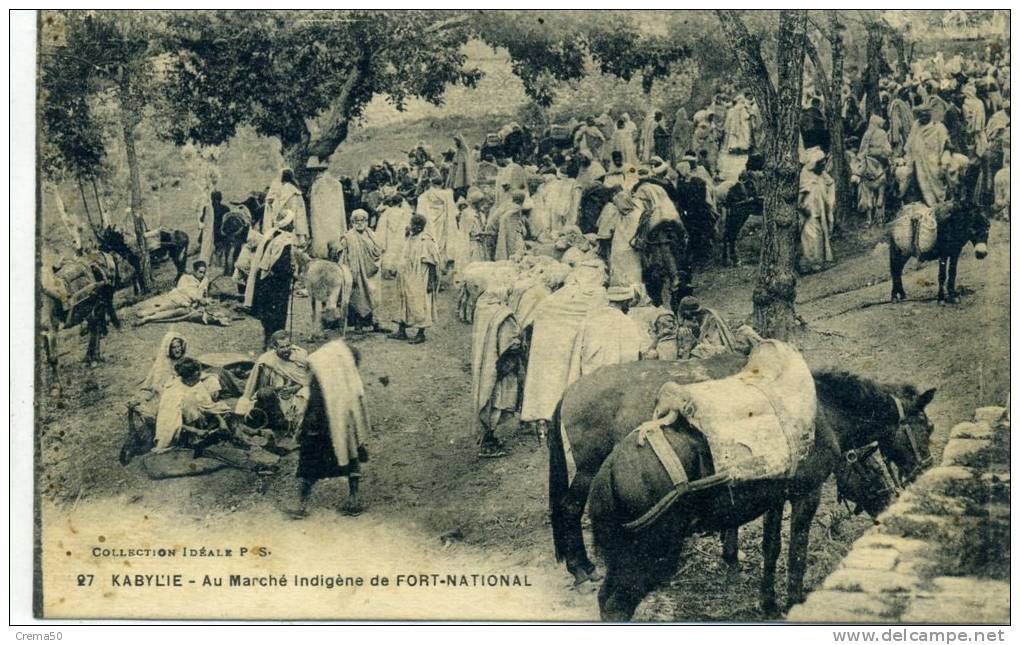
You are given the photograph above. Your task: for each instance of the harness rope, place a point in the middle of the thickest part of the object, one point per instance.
(678, 476)
(681, 483)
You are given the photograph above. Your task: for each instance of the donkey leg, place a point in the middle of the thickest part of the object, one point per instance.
(896, 263)
(634, 570)
(803, 513)
(951, 279)
(572, 510)
(772, 539)
(730, 547)
(942, 279)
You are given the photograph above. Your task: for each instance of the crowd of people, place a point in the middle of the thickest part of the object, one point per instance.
(553, 288)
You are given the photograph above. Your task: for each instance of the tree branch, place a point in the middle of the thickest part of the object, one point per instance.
(752, 65)
(821, 77)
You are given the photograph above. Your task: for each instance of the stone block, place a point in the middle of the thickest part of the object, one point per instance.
(871, 559)
(917, 525)
(903, 546)
(915, 565)
(997, 487)
(948, 480)
(975, 453)
(871, 581)
(969, 430)
(934, 504)
(955, 609)
(990, 414)
(895, 509)
(842, 606)
(979, 589)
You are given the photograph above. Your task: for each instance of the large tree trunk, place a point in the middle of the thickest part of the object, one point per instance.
(776, 290)
(873, 105)
(845, 202)
(322, 142)
(129, 119)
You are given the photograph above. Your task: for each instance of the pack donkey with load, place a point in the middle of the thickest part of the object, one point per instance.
(77, 292)
(939, 232)
(717, 455)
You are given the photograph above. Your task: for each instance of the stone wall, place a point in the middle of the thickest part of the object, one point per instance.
(940, 554)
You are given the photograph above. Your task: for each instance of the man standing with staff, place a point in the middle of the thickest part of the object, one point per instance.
(271, 278)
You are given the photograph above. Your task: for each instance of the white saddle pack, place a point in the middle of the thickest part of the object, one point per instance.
(760, 422)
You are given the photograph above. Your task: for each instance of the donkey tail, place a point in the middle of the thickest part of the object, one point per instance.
(558, 482)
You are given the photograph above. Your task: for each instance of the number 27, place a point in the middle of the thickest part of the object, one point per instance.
(85, 579)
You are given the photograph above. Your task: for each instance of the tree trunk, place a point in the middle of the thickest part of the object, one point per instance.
(840, 167)
(776, 290)
(129, 118)
(845, 202)
(104, 220)
(873, 105)
(88, 211)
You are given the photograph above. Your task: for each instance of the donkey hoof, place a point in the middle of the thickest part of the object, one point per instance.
(770, 609)
(593, 573)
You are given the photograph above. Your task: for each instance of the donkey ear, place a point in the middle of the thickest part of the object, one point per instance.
(925, 399)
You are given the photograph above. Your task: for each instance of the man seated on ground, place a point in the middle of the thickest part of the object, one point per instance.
(242, 266)
(178, 304)
(187, 410)
(219, 382)
(703, 333)
(664, 345)
(278, 384)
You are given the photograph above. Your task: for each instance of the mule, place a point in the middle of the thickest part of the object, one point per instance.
(738, 200)
(853, 412)
(90, 282)
(598, 411)
(665, 266)
(329, 287)
(237, 222)
(173, 244)
(966, 223)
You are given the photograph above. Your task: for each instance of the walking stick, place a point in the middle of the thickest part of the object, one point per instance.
(290, 309)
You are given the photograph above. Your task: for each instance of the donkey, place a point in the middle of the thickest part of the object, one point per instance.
(965, 223)
(599, 410)
(852, 414)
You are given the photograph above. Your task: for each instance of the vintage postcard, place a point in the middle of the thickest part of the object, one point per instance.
(522, 315)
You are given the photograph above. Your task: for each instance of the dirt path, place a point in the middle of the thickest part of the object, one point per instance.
(425, 480)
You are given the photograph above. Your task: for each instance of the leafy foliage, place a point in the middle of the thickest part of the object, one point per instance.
(304, 76)
(281, 71)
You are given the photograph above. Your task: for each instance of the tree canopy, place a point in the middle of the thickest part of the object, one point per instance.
(305, 76)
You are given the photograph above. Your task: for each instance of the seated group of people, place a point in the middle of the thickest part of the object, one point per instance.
(188, 405)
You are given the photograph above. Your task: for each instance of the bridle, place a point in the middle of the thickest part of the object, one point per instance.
(869, 464)
(921, 462)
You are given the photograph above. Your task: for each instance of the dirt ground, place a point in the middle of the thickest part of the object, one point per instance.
(425, 480)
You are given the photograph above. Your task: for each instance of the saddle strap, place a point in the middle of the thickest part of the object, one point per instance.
(681, 484)
(667, 457)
